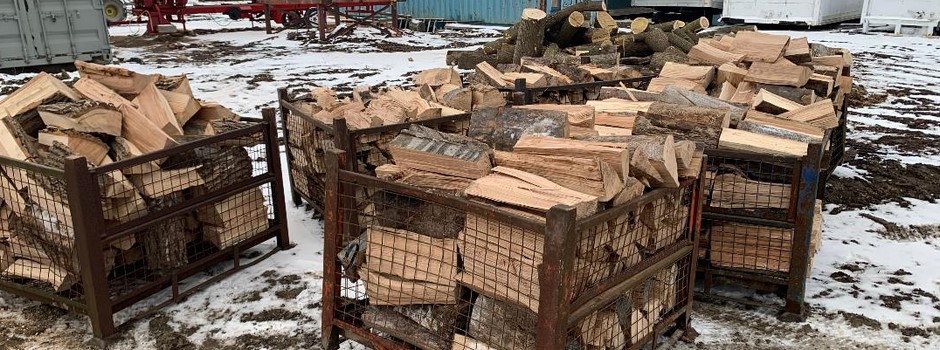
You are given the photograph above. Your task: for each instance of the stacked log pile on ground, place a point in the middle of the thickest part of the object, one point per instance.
(522, 160)
(113, 114)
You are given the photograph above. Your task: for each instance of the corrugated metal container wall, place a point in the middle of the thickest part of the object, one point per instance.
(482, 11)
(42, 32)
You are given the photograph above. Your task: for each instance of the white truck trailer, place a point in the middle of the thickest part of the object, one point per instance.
(922, 15)
(795, 12)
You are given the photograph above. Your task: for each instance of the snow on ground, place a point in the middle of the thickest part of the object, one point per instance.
(875, 280)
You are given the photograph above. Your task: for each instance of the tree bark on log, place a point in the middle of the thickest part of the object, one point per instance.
(702, 125)
(466, 59)
(672, 54)
(697, 25)
(656, 39)
(680, 42)
(550, 21)
(569, 29)
(666, 26)
(727, 30)
(630, 47)
(531, 35)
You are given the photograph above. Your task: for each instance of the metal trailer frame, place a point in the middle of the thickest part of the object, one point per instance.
(559, 308)
(99, 298)
(39, 28)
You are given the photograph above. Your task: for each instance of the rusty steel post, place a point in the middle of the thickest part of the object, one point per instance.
(267, 18)
(83, 193)
(333, 225)
(802, 234)
(294, 194)
(321, 21)
(277, 187)
(555, 277)
(343, 141)
(394, 10)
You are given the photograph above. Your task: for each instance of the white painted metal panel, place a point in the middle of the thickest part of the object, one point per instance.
(679, 3)
(913, 9)
(41, 32)
(924, 14)
(808, 12)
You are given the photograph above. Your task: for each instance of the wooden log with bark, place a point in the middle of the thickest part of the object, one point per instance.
(530, 36)
(502, 127)
(41, 89)
(700, 124)
(740, 140)
(82, 116)
(766, 124)
(422, 148)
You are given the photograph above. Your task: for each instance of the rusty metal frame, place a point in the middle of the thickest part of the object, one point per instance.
(91, 232)
(558, 309)
(806, 174)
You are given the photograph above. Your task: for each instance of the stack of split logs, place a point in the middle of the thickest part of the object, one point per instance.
(523, 160)
(745, 91)
(438, 92)
(113, 114)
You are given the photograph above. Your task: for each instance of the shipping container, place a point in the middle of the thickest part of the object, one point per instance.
(475, 11)
(924, 14)
(43, 32)
(799, 12)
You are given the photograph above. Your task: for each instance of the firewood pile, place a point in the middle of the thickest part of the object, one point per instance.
(112, 114)
(436, 93)
(524, 160)
(775, 95)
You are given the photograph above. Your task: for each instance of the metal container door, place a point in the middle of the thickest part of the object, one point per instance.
(16, 45)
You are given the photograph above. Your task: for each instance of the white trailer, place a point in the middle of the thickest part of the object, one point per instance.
(799, 12)
(921, 14)
(713, 4)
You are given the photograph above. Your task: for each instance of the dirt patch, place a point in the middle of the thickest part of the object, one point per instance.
(899, 232)
(843, 277)
(860, 97)
(166, 337)
(895, 181)
(289, 293)
(277, 314)
(858, 321)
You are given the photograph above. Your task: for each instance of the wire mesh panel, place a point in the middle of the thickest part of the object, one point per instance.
(751, 185)
(761, 219)
(37, 239)
(439, 272)
(639, 315)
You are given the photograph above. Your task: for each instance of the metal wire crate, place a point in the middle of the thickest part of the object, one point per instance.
(758, 221)
(101, 239)
(408, 268)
